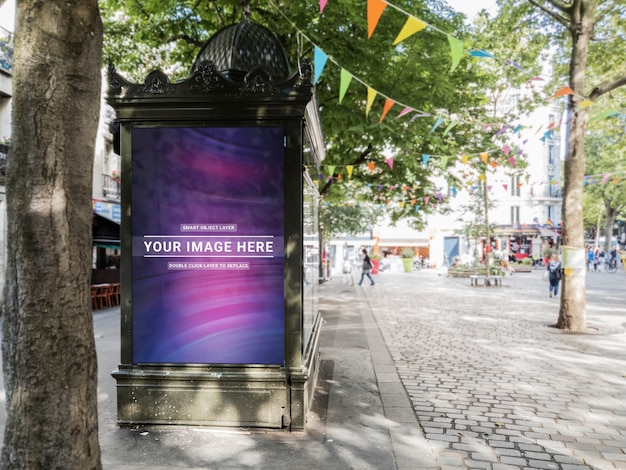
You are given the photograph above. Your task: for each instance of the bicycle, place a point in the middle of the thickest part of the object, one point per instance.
(612, 266)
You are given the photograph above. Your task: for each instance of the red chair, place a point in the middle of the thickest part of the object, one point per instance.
(103, 297)
(115, 294)
(94, 297)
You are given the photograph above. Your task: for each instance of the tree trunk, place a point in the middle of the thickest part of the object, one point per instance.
(611, 215)
(487, 231)
(48, 347)
(573, 299)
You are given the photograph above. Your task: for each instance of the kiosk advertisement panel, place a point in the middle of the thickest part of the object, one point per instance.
(208, 245)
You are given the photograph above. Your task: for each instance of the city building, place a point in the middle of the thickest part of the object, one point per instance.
(7, 27)
(106, 174)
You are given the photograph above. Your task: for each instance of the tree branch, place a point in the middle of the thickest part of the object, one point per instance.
(564, 20)
(188, 39)
(361, 159)
(608, 85)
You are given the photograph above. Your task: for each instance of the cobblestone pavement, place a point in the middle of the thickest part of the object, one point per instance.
(493, 385)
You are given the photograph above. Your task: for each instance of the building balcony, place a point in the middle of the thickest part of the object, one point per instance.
(547, 194)
(111, 186)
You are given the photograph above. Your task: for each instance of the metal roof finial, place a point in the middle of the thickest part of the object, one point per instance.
(246, 10)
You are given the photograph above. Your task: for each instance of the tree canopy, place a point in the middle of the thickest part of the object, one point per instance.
(374, 154)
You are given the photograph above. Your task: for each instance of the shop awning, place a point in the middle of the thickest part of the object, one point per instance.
(105, 232)
(547, 232)
(403, 242)
(516, 232)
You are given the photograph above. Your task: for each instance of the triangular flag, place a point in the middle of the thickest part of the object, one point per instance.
(417, 208)
(450, 127)
(371, 95)
(563, 91)
(400, 204)
(444, 162)
(437, 124)
(512, 161)
(371, 166)
(425, 159)
(319, 62)
(456, 48)
(606, 178)
(584, 104)
(464, 159)
(506, 149)
(388, 105)
(604, 114)
(389, 162)
(323, 5)
(493, 163)
(406, 110)
(412, 26)
(375, 9)
(506, 187)
(482, 177)
(345, 80)
(502, 130)
(484, 156)
(419, 115)
(482, 53)
(330, 169)
(350, 169)
(426, 199)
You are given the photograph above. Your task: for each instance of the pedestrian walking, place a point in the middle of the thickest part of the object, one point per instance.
(590, 259)
(555, 271)
(366, 268)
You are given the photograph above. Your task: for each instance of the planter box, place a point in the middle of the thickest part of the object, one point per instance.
(522, 268)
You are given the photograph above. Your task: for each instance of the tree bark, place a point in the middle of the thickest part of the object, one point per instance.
(573, 300)
(48, 347)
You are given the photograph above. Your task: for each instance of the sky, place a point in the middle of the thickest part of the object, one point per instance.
(471, 7)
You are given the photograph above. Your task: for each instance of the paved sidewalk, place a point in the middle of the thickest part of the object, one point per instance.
(493, 385)
(361, 418)
(422, 372)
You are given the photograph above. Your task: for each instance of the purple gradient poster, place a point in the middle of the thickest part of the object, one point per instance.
(208, 245)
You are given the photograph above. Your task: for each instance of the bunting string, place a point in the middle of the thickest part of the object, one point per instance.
(346, 78)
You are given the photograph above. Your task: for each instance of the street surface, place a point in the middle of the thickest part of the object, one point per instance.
(493, 385)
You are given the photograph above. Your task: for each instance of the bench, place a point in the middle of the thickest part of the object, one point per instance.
(493, 281)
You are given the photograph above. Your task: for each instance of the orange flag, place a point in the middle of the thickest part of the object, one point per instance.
(371, 166)
(375, 9)
(388, 105)
(563, 91)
